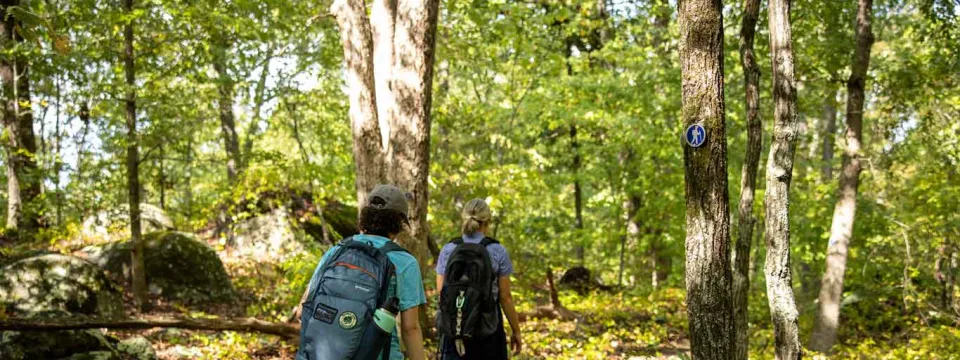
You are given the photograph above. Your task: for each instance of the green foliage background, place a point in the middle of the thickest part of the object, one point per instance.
(505, 95)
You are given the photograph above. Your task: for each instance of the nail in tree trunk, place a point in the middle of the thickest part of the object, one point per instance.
(23, 177)
(708, 272)
(358, 57)
(829, 135)
(844, 214)
(748, 179)
(133, 164)
(409, 150)
(783, 308)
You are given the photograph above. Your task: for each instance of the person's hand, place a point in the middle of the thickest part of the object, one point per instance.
(516, 342)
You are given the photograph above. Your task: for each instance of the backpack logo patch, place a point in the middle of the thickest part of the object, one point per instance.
(362, 288)
(348, 320)
(325, 313)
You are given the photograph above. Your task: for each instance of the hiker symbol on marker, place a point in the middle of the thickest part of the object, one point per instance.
(695, 135)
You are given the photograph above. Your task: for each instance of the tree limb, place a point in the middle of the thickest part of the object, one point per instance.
(287, 331)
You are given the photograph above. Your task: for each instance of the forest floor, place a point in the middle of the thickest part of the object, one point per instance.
(609, 325)
(633, 324)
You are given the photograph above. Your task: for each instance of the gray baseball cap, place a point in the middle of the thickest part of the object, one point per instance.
(389, 197)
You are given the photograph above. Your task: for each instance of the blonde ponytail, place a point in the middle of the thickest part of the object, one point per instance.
(475, 214)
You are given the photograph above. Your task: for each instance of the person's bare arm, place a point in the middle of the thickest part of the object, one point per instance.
(299, 309)
(510, 310)
(412, 335)
(440, 279)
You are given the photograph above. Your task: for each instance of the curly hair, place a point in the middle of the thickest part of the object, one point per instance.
(382, 222)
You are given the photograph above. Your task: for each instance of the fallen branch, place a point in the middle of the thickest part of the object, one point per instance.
(288, 331)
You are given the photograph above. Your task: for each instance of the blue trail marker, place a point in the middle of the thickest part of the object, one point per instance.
(695, 135)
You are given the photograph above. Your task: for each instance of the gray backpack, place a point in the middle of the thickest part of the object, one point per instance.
(337, 319)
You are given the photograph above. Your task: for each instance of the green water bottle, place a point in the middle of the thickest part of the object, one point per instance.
(386, 316)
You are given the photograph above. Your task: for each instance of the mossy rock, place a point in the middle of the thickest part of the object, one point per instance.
(110, 223)
(55, 282)
(136, 348)
(342, 218)
(11, 255)
(178, 267)
(267, 237)
(29, 345)
(95, 355)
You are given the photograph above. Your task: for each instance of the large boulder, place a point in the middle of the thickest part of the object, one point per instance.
(178, 267)
(115, 221)
(268, 236)
(54, 286)
(276, 234)
(55, 282)
(87, 344)
(30, 345)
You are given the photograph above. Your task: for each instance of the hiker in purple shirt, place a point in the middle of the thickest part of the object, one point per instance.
(476, 217)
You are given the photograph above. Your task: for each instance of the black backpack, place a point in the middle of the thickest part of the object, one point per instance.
(467, 307)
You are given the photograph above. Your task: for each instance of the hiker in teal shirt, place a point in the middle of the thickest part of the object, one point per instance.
(381, 220)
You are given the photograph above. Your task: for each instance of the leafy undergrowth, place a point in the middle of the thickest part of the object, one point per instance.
(610, 325)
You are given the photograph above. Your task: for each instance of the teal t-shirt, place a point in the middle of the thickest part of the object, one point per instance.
(410, 289)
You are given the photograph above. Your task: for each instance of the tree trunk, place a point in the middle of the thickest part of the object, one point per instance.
(358, 57)
(831, 286)
(163, 179)
(289, 331)
(228, 131)
(383, 23)
(408, 145)
(57, 163)
(577, 195)
(631, 205)
(133, 164)
(783, 308)
(708, 272)
(748, 179)
(259, 98)
(829, 135)
(84, 115)
(414, 48)
(23, 178)
(228, 127)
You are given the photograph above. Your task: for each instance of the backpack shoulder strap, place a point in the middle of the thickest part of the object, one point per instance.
(487, 241)
(456, 241)
(391, 246)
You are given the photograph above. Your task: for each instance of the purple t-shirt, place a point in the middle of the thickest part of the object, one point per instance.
(499, 259)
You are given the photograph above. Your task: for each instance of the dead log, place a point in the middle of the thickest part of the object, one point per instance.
(288, 331)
